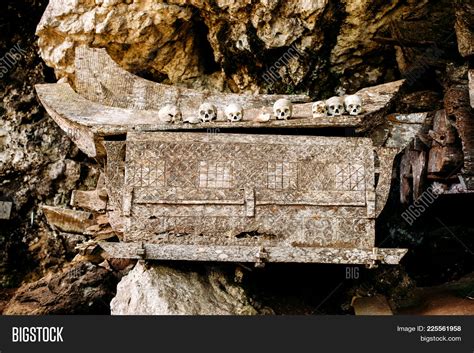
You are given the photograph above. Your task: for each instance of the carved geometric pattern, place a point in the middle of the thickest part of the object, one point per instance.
(181, 173)
(115, 170)
(316, 176)
(248, 174)
(213, 174)
(196, 189)
(342, 231)
(147, 173)
(350, 177)
(282, 175)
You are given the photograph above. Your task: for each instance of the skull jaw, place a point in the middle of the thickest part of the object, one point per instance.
(335, 114)
(284, 117)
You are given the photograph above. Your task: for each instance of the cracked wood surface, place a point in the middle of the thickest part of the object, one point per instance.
(254, 253)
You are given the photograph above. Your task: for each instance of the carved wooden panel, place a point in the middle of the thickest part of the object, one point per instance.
(229, 189)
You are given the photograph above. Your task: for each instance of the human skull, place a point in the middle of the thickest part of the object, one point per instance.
(234, 112)
(170, 113)
(207, 112)
(353, 104)
(319, 109)
(283, 109)
(335, 106)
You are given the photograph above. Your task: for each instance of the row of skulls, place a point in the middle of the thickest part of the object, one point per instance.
(282, 110)
(336, 106)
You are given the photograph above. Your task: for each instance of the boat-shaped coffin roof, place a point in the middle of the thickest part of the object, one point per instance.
(110, 100)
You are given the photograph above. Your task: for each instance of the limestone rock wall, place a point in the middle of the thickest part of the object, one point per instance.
(315, 46)
(319, 47)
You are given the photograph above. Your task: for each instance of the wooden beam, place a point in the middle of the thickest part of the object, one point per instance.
(250, 253)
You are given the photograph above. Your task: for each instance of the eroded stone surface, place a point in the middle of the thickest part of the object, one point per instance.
(81, 289)
(231, 45)
(163, 290)
(465, 27)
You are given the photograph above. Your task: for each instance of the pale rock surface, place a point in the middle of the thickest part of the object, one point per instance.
(163, 290)
(230, 44)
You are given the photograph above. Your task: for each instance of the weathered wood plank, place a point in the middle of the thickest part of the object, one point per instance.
(94, 200)
(68, 221)
(100, 79)
(5, 209)
(458, 108)
(253, 254)
(444, 155)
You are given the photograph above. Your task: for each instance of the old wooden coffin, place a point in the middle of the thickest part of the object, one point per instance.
(202, 193)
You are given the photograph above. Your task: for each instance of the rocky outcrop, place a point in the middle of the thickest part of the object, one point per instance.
(221, 45)
(277, 46)
(83, 288)
(37, 162)
(148, 35)
(465, 27)
(163, 290)
(452, 298)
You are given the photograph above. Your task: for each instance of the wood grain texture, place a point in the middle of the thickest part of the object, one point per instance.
(251, 253)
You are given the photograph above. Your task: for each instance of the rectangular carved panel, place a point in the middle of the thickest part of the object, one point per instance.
(248, 190)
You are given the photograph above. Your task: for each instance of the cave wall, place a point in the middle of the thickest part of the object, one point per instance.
(336, 46)
(38, 163)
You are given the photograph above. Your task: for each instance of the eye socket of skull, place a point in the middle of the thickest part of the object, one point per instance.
(287, 110)
(331, 107)
(210, 111)
(202, 112)
(278, 111)
(237, 114)
(357, 106)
